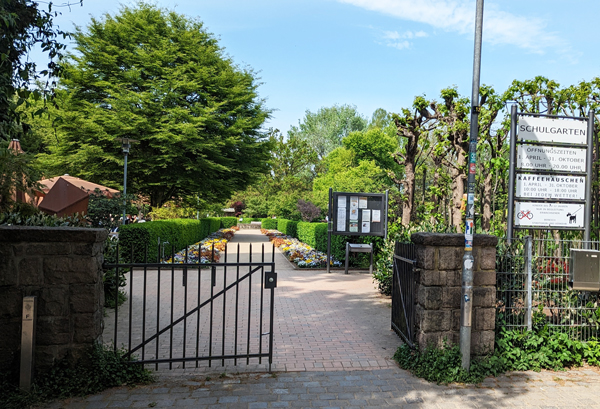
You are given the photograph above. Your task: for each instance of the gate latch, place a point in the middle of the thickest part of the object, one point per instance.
(270, 279)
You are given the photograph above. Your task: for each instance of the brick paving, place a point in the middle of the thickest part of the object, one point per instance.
(333, 348)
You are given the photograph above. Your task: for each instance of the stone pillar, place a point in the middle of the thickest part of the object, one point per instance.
(438, 288)
(62, 266)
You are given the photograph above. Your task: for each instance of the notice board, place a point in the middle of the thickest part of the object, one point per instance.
(358, 214)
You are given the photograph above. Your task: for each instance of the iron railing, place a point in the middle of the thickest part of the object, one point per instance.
(189, 312)
(403, 292)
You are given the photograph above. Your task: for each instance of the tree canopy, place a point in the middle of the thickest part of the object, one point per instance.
(160, 78)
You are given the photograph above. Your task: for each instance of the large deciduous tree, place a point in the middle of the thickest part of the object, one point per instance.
(160, 78)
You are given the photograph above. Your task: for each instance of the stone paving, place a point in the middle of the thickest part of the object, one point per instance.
(333, 348)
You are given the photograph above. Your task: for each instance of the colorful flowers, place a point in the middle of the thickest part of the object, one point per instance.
(300, 253)
(206, 251)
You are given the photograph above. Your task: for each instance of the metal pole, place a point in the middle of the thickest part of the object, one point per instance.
(528, 258)
(588, 180)
(466, 305)
(511, 173)
(329, 228)
(125, 189)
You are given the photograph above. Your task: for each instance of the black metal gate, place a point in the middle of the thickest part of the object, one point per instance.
(403, 292)
(196, 313)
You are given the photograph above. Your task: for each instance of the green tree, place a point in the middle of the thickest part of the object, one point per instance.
(325, 129)
(23, 25)
(160, 78)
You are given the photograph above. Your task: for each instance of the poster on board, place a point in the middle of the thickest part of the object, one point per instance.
(549, 215)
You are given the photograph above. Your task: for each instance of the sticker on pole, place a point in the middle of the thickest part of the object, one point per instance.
(549, 215)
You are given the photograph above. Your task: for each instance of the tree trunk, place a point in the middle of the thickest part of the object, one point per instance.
(458, 189)
(409, 192)
(486, 220)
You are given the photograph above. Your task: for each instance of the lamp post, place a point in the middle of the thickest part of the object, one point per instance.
(125, 145)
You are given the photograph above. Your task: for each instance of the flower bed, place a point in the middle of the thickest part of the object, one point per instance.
(206, 251)
(297, 252)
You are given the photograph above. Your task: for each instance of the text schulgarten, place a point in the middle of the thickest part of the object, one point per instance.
(551, 130)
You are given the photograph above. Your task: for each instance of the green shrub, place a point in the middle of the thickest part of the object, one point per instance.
(268, 223)
(228, 222)
(288, 227)
(102, 370)
(315, 235)
(177, 232)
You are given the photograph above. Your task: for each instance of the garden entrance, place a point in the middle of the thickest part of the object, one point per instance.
(196, 315)
(533, 288)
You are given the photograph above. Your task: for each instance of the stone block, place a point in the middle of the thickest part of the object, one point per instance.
(455, 324)
(86, 328)
(430, 297)
(56, 270)
(454, 278)
(10, 341)
(85, 268)
(451, 297)
(435, 321)
(48, 249)
(487, 258)
(484, 297)
(485, 319)
(8, 269)
(84, 298)
(47, 355)
(436, 339)
(54, 301)
(87, 249)
(482, 343)
(432, 278)
(484, 278)
(53, 331)
(425, 257)
(11, 299)
(31, 271)
(450, 258)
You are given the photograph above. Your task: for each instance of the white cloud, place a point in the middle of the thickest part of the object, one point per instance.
(499, 27)
(400, 41)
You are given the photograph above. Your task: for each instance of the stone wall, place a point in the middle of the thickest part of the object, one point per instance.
(438, 288)
(62, 266)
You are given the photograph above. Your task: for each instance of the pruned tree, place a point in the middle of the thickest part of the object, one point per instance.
(412, 126)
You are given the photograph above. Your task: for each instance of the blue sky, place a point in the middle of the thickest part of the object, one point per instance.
(382, 53)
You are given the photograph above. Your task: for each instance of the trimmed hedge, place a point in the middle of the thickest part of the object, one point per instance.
(268, 223)
(288, 227)
(178, 232)
(228, 222)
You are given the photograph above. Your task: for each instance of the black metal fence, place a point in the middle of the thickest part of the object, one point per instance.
(403, 292)
(195, 313)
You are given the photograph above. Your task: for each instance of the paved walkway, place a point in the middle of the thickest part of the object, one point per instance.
(333, 348)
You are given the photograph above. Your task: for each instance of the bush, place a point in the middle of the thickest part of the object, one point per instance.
(102, 370)
(288, 227)
(228, 222)
(315, 235)
(268, 223)
(178, 232)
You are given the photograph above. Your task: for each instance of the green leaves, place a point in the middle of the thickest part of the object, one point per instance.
(158, 77)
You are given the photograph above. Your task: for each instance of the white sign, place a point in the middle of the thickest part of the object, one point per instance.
(550, 215)
(550, 186)
(540, 129)
(537, 157)
(341, 219)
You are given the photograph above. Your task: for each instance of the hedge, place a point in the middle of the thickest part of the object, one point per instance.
(228, 222)
(268, 223)
(288, 227)
(178, 232)
(246, 220)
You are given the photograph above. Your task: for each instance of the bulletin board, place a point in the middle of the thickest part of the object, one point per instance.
(358, 214)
